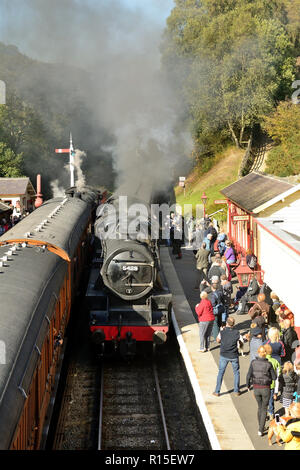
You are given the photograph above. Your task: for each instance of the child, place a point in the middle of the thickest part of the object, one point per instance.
(289, 379)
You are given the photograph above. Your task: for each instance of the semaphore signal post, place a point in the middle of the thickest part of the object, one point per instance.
(71, 153)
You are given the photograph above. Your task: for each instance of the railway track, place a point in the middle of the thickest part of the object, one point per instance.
(144, 404)
(132, 416)
(147, 405)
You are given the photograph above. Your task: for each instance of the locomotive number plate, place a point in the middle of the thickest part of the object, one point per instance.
(130, 268)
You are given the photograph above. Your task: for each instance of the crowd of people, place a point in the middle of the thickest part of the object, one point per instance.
(274, 352)
(7, 223)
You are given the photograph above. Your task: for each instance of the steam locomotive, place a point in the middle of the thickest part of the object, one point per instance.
(127, 299)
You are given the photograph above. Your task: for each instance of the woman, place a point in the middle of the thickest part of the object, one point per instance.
(261, 375)
(256, 316)
(226, 267)
(289, 379)
(278, 350)
(290, 433)
(284, 313)
(229, 253)
(251, 259)
(204, 311)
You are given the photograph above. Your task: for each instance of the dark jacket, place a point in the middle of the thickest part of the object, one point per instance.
(229, 343)
(227, 291)
(213, 232)
(215, 270)
(216, 297)
(289, 336)
(252, 291)
(260, 373)
(261, 323)
(278, 350)
(289, 385)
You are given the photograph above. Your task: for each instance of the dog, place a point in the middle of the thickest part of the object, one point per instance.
(273, 429)
(241, 348)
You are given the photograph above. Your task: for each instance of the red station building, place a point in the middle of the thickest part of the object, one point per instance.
(264, 216)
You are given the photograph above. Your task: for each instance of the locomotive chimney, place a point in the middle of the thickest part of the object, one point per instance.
(39, 198)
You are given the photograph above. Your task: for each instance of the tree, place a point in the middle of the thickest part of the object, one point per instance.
(10, 163)
(239, 62)
(283, 125)
(292, 8)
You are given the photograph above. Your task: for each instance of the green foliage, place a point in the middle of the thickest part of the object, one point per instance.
(10, 163)
(16, 122)
(238, 60)
(292, 10)
(283, 125)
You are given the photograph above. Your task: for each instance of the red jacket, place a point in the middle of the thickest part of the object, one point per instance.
(204, 310)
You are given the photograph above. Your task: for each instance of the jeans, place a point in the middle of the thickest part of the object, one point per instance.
(262, 396)
(216, 325)
(230, 261)
(205, 328)
(225, 314)
(223, 362)
(271, 408)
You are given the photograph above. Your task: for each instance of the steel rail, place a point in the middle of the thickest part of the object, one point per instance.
(101, 411)
(157, 387)
(161, 407)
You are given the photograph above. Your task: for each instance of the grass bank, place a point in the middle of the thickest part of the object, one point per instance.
(223, 173)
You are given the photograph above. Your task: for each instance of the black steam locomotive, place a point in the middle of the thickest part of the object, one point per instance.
(127, 300)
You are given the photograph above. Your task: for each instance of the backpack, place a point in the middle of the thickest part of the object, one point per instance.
(219, 308)
(252, 262)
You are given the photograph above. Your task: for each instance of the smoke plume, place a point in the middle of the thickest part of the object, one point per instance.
(127, 96)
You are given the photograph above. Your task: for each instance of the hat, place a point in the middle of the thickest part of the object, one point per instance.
(256, 331)
(215, 279)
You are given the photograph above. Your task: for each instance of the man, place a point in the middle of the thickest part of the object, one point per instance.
(265, 308)
(216, 269)
(202, 264)
(261, 375)
(229, 337)
(249, 296)
(214, 235)
(289, 339)
(177, 235)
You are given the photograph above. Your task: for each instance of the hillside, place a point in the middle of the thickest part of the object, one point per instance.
(59, 99)
(223, 173)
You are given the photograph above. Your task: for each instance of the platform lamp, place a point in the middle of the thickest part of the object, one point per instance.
(244, 273)
(204, 201)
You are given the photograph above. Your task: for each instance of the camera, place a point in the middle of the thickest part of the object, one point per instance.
(277, 418)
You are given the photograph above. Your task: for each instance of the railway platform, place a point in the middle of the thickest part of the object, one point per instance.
(231, 422)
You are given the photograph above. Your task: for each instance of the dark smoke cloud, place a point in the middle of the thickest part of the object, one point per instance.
(127, 94)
